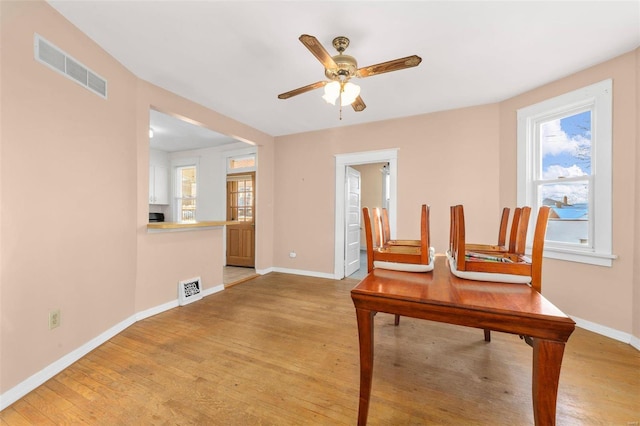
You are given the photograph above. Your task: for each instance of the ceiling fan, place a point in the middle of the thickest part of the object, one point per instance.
(340, 69)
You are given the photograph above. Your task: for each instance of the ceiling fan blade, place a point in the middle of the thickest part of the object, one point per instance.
(318, 50)
(301, 90)
(358, 105)
(395, 65)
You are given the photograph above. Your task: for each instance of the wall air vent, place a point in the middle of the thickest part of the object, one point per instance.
(189, 291)
(56, 59)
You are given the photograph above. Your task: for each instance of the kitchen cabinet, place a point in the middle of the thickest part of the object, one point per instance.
(158, 184)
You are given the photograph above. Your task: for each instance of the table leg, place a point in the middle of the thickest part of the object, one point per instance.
(365, 337)
(547, 359)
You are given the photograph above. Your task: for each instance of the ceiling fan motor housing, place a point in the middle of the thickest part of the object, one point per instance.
(347, 67)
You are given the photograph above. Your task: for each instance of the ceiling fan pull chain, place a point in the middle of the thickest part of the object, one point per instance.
(340, 100)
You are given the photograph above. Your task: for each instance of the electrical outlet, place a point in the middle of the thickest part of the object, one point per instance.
(54, 319)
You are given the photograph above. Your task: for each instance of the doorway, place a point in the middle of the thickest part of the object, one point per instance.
(241, 209)
(389, 156)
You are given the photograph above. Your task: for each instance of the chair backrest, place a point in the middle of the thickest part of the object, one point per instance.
(502, 232)
(519, 229)
(457, 235)
(386, 230)
(374, 216)
(537, 250)
(378, 233)
(368, 235)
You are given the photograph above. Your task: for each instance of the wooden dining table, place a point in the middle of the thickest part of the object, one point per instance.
(441, 296)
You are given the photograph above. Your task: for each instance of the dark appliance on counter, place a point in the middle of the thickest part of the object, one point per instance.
(156, 217)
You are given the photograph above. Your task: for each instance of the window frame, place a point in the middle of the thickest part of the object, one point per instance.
(598, 99)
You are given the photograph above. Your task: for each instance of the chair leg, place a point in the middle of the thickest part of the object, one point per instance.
(397, 320)
(487, 335)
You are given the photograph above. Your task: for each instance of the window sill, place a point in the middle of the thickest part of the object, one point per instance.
(598, 259)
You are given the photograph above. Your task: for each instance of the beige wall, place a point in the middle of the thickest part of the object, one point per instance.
(597, 294)
(443, 159)
(166, 258)
(73, 195)
(100, 272)
(68, 195)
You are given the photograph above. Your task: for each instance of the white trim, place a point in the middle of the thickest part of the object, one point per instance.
(592, 258)
(213, 290)
(303, 273)
(156, 310)
(31, 383)
(635, 342)
(342, 161)
(26, 386)
(612, 333)
(598, 98)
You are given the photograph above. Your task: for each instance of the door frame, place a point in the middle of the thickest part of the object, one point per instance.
(352, 173)
(352, 159)
(224, 170)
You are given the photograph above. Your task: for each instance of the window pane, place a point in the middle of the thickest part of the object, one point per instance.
(186, 200)
(240, 163)
(188, 179)
(187, 210)
(565, 145)
(569, 218)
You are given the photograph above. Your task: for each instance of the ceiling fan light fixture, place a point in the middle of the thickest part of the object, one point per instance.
(347, 92)
(331, 92)
(350, 92)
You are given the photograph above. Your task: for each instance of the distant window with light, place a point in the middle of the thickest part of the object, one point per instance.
(564, 162)
(186, 193)
(239, 163)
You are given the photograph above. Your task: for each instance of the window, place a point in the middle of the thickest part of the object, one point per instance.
(186, 193)
(564, 162)
(240, 199)
(243, 163)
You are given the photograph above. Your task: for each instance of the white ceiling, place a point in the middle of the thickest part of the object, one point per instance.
(172, 134)
(235, 57)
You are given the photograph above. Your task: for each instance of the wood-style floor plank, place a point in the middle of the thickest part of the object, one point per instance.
(283, 350)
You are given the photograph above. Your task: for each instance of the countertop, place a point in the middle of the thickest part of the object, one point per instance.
(189, 225)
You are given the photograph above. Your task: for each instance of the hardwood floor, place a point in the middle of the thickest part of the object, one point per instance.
(283, 350)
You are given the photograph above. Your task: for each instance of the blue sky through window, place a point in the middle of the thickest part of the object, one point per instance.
(566, 146)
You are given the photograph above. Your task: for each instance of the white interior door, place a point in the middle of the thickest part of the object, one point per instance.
(352, 222)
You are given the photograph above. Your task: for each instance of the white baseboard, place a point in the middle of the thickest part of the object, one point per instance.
(607, 332)
(20, 390)
(635, 342)
(304, 273)
(23, 388)
(264, 271)
(209, 291)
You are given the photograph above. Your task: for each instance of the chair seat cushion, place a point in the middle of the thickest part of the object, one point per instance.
(486, 276)
(407, 267)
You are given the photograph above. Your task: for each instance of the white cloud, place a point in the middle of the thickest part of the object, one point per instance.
(556, 171)
(575, 193)
(556, 141)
